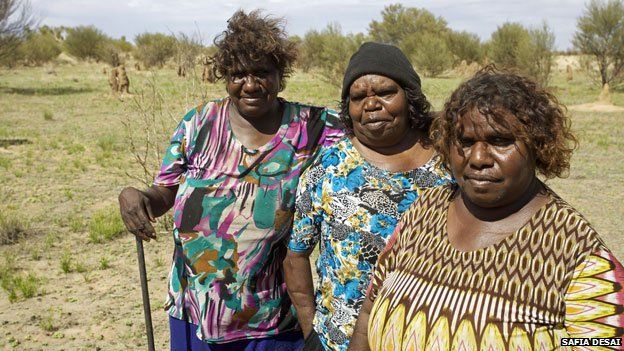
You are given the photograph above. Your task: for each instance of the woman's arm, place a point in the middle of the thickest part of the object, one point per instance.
(139, 209)
(595, 298)
(298, 274)
(359, 339)
(306, 233)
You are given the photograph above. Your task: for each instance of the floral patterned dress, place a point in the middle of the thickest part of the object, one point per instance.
(350, 208)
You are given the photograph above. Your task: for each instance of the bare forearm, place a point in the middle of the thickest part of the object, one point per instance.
(359, 339)
(161, 198)
(301, 288)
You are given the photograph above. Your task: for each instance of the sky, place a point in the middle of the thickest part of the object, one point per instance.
(208, 17)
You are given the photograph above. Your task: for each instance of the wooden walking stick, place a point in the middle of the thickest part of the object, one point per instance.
(146, 303)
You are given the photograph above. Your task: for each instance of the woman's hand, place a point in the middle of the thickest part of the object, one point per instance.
(136, 212)
(139, 209)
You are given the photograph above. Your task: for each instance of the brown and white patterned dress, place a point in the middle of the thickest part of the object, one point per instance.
(553, 278)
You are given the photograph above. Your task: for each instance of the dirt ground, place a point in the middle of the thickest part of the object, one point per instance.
(67, 173)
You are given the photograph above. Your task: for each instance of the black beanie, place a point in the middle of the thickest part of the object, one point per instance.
(382, 59)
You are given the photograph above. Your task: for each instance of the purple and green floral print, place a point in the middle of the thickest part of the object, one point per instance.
(232, 216)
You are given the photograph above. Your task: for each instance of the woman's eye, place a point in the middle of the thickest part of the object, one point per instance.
(386, 93)
(502, 141)
(356, 97)
(464, 143)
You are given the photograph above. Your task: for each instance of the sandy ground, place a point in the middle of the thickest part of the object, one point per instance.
(596, 107)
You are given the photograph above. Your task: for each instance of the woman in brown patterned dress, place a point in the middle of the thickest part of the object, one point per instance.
(497, 261)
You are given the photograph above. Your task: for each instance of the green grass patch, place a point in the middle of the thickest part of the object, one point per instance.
(73, 149)
(5, 162)
(66, 262)
(76, 224)
(17, 285)
(109, 143)
(104, 263)
(49, 240)
(12, 228)
(79, 165)
(81, 267)
(106, 225)
(47, 115)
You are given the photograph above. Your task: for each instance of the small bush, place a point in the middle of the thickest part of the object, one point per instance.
(48, 323)
(80, 267)
(154, 49)
(104, 263)
(66, 262)
(85, 42)
(15, 284)
(27, 285)
(12, 228)
(40, 48)
(105, 225)
(47, 115)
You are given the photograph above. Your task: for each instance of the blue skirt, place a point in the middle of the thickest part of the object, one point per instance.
(183, 338)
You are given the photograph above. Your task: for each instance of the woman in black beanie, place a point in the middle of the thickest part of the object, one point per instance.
(351, 198)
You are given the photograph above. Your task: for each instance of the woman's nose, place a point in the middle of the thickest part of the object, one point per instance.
(250, 83)
(480, 155)
(371, 103)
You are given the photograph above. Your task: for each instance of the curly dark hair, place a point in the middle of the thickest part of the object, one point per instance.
(419, 114)
(251, 38)
(540, 120)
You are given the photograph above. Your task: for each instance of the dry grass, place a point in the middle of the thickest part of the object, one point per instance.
(63, 186)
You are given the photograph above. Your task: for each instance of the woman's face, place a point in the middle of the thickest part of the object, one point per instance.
(379, 110)
(253, 88)
(491, 166)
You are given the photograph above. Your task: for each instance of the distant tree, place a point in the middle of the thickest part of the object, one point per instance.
(432, 57)
(399, 22)
(600, 33)
(329, 51)
(123, 44)
(111, 50)
(422, 36)
(464, 46)
(309, 49)
(154, 49)
(16, 19)
(86, 42)
(541, 54)
(40, 47)
(188, 49)
(528, 50)
(509, 45)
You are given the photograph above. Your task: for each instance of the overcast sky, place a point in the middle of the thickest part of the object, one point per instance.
(131, 17)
